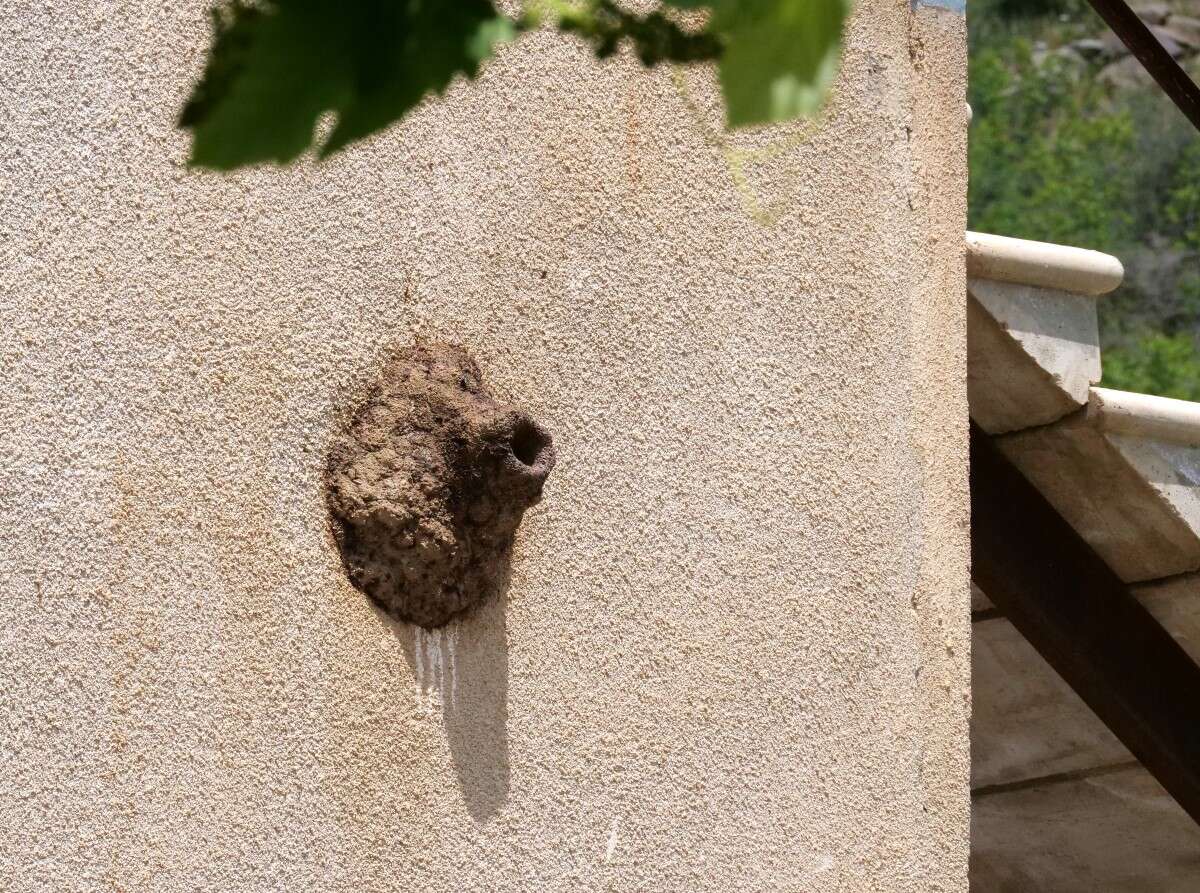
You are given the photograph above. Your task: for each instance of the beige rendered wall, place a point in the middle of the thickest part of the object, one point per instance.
(734, 651)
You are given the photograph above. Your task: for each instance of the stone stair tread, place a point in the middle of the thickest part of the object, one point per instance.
(1032, 353)
(1130, 497)
(1033, 337)
(1005, 259)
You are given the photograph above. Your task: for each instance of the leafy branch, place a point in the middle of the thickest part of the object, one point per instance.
(276, 66)
(655, 37)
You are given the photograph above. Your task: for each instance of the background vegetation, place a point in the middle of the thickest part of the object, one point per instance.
(1071, 143)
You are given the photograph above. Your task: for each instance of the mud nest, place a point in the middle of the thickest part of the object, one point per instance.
(428, 482)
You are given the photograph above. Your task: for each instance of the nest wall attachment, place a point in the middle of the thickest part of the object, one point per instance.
(428, 482)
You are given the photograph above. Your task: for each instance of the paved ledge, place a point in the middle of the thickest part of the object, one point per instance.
(1141, 415)
(1032, 353)
(1135, 499)
(1115, 830)
(1076, 270)
(1026, 722)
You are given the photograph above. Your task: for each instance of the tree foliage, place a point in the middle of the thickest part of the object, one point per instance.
(1048, 160)
(275, 67)
(1167, 365)
(1181, 210)
(1061, 151)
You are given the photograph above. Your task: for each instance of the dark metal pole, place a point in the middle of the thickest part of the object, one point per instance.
(1153, 55)
(1084, 621)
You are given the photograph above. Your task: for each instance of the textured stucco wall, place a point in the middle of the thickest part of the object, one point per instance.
(733, 651)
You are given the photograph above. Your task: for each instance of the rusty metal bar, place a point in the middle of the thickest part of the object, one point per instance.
(1140, 40)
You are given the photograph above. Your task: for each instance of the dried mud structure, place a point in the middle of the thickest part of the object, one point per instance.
(428, 483)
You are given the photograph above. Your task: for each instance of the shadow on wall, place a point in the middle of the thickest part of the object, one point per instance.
(461, 669)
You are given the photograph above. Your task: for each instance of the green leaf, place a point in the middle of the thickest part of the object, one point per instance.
(276, 67)
(780, 56)
(655, 37)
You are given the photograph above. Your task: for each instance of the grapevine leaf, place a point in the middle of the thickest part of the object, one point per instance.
(276, 67)
(655, 37)
(779, 58)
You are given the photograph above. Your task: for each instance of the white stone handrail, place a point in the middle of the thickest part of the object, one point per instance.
(1142, 415)
(1042, 264)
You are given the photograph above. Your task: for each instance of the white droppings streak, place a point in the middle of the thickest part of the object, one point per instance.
(453, 647)
(612, 841)
(419, 660)
(437, 670)
(435, 655)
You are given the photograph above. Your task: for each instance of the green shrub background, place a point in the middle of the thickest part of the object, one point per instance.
(1068, 147)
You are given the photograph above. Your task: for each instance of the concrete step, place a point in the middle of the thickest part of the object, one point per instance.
(1125, 472)
(1123, 469)
(1033, 340)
